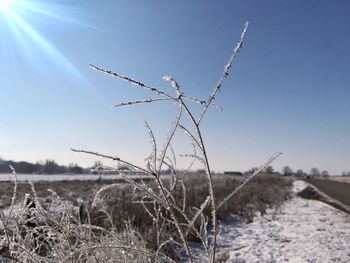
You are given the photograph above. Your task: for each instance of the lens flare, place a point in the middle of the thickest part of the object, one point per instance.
(21, 36)
(5, 4)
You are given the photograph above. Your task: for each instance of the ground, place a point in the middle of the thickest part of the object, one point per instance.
(301, 231)
(335, 189)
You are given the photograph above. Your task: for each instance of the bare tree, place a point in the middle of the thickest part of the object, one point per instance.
(287, 171)
(269, 169)
(299, 173)
(324, 173)
(314, 172)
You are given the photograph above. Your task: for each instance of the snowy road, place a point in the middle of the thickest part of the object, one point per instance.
(302, 231)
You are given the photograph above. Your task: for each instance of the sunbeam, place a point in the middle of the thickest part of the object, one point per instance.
(5, 4)
(21, 36)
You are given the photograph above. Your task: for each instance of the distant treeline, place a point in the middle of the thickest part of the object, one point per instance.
(314, 172)
(45, 167)
(287, 171)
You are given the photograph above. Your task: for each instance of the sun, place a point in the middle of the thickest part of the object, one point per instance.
(18, 34)
(5, 4)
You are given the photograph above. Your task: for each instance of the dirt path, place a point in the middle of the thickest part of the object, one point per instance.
(302, 231)
(336, 190)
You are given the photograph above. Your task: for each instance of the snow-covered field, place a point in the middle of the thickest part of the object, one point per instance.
(64, 177)
(302, 231)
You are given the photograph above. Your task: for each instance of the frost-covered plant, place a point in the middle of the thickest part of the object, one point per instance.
(159, 202)
(57, 234)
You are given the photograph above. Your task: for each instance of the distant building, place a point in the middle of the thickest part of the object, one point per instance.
(104, 170)
(234, 173)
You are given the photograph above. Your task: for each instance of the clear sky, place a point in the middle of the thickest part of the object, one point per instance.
(288, 90)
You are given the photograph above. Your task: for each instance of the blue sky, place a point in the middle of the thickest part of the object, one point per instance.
(288, 90)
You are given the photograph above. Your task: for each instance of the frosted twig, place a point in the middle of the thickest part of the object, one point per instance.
(226, 72)
(179, 210)
(173, 155)
(179, 93)
(210, 180)
(184, 195)
(31, 255)
(144, 188)
(204, 228)
(114, 158)
(143, 203)
(249, 178)
(200, 210)
(169, 138)
(154, 145)
(192, 161)
(169, 163)
(133, 81)
(13, 171)
(202, 102)
(102, 189)
(194, 157)
(192, 137)
(173, 83)
(175, 220)
(150, 100)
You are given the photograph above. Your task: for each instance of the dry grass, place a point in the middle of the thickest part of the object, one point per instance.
(118, 222)
(69, 190)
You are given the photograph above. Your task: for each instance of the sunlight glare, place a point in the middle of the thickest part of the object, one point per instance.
(17, 16)
(5, 4)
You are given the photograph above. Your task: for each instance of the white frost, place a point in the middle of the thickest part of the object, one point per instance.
(302, 231)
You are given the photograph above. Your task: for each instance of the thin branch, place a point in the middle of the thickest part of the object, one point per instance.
(169, 138)
(202, 102)
(194, 219)
(192, 137)
(184, 200)
(179, 93)
(192, 162)
(200, 210)
(209, 177)
(31, 255)
(226, 72)
(150, 100)
(132, 81)
(249, 178)
(175, 220)
(194, 157)
(173, 155)
(173, 83)
(114, 158)
(174, 206)
(168, 162)
(143, 203)
(144, 188)
(154, 145)
(13, 171)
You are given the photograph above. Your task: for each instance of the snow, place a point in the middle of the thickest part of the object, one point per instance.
(301, 231)
(65, 177)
